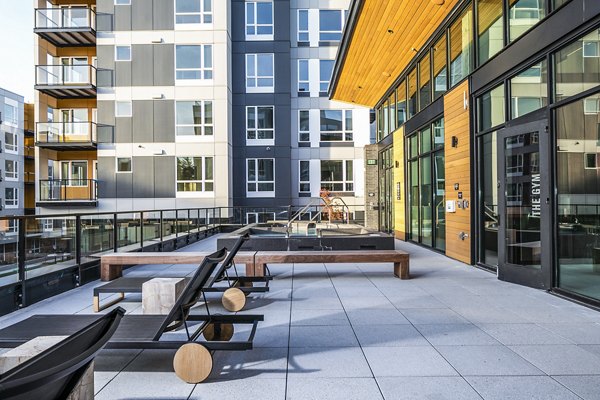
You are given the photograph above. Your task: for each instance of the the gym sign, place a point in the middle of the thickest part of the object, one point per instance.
(536, 200)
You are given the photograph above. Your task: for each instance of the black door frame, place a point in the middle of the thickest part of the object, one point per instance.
(538, 278)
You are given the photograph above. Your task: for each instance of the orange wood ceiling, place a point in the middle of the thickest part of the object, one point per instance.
(375, 58)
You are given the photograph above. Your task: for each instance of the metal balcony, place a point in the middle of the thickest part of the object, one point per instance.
(75, 26)
(66, 81)
(66, 135)
(68, 192)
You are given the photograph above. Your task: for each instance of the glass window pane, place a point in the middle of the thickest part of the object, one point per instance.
(188, 56)
(264, 12)
(208, 168)
(303, 20)
(305, 171)
(529, 90)
(332, 171)
(523, 15)
(401, 104)
(425, 180)
(439, 68)
(424, 82)
(331, 120)
(577, 68)
(425, 140)
(438, 133)
(325, 73)
(124, 164)
(461, 42)
(490, 28)
(304, 120)
(348, 120)
(488, 167)
(412, 93)
(187, 6)
(413, 148)
(490, 108)
(265, 65)
(123, 53)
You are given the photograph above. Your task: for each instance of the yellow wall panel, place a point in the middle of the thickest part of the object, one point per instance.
(399, 205)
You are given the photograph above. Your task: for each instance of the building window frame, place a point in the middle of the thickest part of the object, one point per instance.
(331, 35)
(303, 80)
(11, 202)
(303, 179)
(253, 126)
(12, 148)
(253, 76)
(206, 129)
(205, 69)
(324, 83)
(118, 165)
(203, 15)
(303, 35)
(69, 180)
(206, 181)
(253, 186)
(251, 9)
(303, 134)
(347, 132)
(347, 183)
(14, 174)
(125, 56)
(123, 113)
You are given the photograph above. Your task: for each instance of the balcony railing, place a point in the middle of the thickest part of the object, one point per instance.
(66, 81)
(66, 135)
(81, 192)
(74, 26)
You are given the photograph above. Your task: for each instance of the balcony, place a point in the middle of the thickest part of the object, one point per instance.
(66, 135)
(68, 192)
(66, 81)
(75, 26)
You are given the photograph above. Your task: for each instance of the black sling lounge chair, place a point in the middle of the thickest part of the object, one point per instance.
(148, 331)
(54, 373)
(234, 294)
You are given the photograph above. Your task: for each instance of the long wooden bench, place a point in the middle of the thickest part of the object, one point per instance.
(111, 265)
(263, 258)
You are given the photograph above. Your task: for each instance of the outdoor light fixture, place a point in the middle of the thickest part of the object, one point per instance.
(454, 141)
(437, 2)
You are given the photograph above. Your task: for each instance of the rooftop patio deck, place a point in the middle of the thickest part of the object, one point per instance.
(349, 331)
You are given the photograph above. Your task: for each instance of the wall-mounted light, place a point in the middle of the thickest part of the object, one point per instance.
(454, 141)
(161, 153)
(158, 97)
(161, 40)
(390, 31)
(438, 2)
(397, 163)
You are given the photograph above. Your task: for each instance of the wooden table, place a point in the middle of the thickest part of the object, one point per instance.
(111, 265)
(398, 257)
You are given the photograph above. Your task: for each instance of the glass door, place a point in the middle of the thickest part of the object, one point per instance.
(524, 210)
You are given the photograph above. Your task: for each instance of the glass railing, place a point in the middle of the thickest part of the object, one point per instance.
(65, 18)
(60, 75)
(68, 190)
(66, 132)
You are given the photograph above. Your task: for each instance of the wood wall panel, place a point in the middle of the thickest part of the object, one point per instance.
(458, 170)
(399, 205)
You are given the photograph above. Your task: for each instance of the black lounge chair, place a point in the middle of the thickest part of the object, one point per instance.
(148, 331)
(54, 373)
(238, 287)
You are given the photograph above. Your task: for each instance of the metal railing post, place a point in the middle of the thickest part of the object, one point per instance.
(161, 230)
(115, 232)
(78, 240)
(21, 260)
(141, 231)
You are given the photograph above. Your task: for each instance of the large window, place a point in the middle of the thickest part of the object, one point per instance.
(303, 30)
(303, 76)
(259, 20)
(325, 73)
(11, 170)
(440, 74)
(578, 143)
(529, 90)
(401, 104)
(11, 115)
(488, 199)
(424, 82)
(304, 176)
(260, 174)
(331, 25)
(194, 118)
(193, 62)
(195, 174)
(337, 176)
(10, 142)
(11, 197)
(490, 108)
(577, 66)
(412, 93)
(260, 73)
(304, 126)
(524, 14)
(461, 43)
(336, 125)
(490, 28)
(74, 173)
(193, 11)
(260, 124)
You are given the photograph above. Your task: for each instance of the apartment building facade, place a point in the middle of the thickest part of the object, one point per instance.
(12, 154)
(190, 104)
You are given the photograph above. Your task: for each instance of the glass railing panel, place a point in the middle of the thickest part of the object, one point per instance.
(97, 236)
(183, 222)
(68, 190)
(9, 240)
(128, 232)
(65, 132)
(50, 245)
(193, 216)
(57, 75)
(151, 228)
(169, 226)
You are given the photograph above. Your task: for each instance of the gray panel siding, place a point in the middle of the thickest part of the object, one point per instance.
(106, 112)
(123, 18)
(164, 15)
(143, 177)
(123, 130)
(164, 121)
(107, 187)
(164, 65)
(141, 15)
(123, 73)
(124, 185)
(143, 128)
(142, 65)
(164, 177)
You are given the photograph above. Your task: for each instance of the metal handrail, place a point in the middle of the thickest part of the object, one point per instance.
(59, 75)
(77, 17)
(66, 132)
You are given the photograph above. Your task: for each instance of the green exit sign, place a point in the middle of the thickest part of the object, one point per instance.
(372, 162)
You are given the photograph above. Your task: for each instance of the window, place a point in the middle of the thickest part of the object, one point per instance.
(490, 108)
(591, 106)
(401, 104)
(122, 53)
(576, 66)
(259, 217)
(523, 15)
(11, 168)
(193, 62)
(439, 68)
(260, 123)
(74, 173)
(336, 125)
(10, 143)
(461, 42)
(304, 176)
(591, 160)
(193, 11)
(259, 20)
(490, 28)
(303, 76)
(123, 164)
(122, 2)
(123, 109)
(303, 33)
(260, 73)
(337, 176)
(529, 90)
(10, 112)
(261, 176)
(304, 126)
(325, 73)
(424, 82)
(194, 118)
(331, 25)
(11, 197)
(195, 174)
(412, 93)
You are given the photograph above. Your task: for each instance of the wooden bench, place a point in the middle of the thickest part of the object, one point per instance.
(111, 265)
(263, 258)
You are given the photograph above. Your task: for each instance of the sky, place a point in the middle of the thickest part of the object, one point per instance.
(17, 72)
